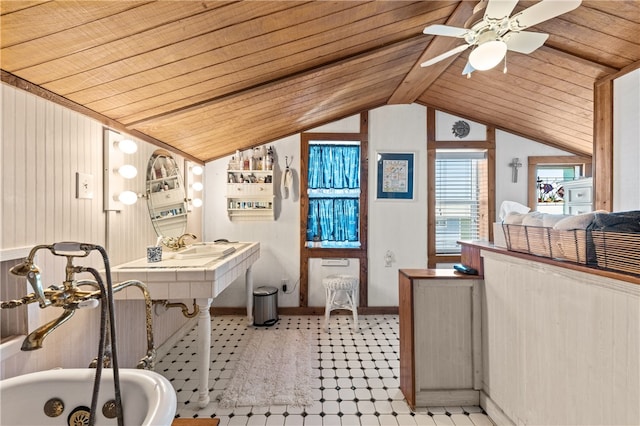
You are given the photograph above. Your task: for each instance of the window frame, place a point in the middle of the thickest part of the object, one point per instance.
(558, 160)
(359, 253)
(433, 258)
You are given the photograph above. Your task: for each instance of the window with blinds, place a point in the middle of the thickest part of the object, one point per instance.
(460, 198)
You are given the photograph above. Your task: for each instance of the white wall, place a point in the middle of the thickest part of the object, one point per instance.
(279, 249)
(626, 142)
(508, 147)
(398, 226)
(560, 347)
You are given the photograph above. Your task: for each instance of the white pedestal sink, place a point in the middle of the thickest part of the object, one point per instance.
(202, 272)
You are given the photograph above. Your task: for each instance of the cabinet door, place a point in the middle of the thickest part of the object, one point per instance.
(444, 335)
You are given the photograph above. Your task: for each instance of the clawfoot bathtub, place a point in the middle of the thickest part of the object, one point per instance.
(63, 397)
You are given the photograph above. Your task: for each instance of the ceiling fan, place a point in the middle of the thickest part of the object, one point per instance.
(497, 32)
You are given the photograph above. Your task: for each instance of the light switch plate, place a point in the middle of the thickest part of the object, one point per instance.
(84, 185)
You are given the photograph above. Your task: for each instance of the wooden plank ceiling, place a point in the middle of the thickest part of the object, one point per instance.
(210, 77)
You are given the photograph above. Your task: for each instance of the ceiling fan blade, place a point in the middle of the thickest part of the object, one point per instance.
(499, 9)
(445, 55)
(525, 41)
(540, 12)
(445, 30)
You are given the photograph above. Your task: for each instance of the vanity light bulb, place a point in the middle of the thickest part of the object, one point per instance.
(197, 202)
(197, 186)
(128, 198)
(128, 171)
(127, 146)
(197, 170)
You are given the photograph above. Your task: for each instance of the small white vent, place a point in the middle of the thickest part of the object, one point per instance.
(335, 262)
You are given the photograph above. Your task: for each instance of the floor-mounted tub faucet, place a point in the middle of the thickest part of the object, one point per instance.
(70, 296)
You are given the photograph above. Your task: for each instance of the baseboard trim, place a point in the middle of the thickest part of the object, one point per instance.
(430, 398)
(494, 411)
(310, 310)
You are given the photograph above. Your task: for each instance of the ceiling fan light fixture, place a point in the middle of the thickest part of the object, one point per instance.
(488, 55)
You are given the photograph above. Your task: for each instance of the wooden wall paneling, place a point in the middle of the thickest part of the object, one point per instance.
(406, 337)
(431, 187)
(603, 145)
(491, 181)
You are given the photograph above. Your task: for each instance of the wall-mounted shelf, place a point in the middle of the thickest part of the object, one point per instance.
(250, 194)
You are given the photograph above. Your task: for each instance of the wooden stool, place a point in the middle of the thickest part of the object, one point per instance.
(341, 293)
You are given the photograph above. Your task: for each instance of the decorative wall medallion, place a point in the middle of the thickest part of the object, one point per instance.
(461, 129)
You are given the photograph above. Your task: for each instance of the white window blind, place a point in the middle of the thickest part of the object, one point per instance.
(460, 184)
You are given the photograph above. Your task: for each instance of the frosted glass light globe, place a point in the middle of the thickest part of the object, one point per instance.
(127, 146)
(197, 170)
(197, 202)
(128, 171)
(128, 198)
(197, 186)
(488, 55)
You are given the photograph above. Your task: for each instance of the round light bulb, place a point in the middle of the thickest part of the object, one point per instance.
(128, 171)
(127, 146)
(197, 186)
(128, 197)
(197, 170)
(488, 55)
(197, 202)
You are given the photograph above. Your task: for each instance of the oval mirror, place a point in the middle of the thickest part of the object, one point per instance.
(166, 195)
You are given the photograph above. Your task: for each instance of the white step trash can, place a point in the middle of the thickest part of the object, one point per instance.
(265, 306)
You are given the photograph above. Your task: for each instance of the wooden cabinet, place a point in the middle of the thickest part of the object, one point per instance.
(578, 196)
(250, 194)
(440, 353)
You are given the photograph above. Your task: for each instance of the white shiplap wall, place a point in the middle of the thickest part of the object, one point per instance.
(43, 146)
(560, 347)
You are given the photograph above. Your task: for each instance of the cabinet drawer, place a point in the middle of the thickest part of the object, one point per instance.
(164, 198)
(579, 209)
(578, 195)
(249, 189)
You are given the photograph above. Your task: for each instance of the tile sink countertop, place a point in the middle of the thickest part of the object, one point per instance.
(205, 276)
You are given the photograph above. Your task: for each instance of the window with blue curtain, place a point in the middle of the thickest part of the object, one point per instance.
(334, 195)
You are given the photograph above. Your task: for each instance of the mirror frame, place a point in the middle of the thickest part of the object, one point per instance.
(166, 195)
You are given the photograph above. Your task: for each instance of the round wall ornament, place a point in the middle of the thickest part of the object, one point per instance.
(460, 129)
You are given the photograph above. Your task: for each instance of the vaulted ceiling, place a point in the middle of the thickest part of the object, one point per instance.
(210, 77)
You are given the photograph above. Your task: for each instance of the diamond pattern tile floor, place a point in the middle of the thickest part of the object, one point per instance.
(355, 377)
